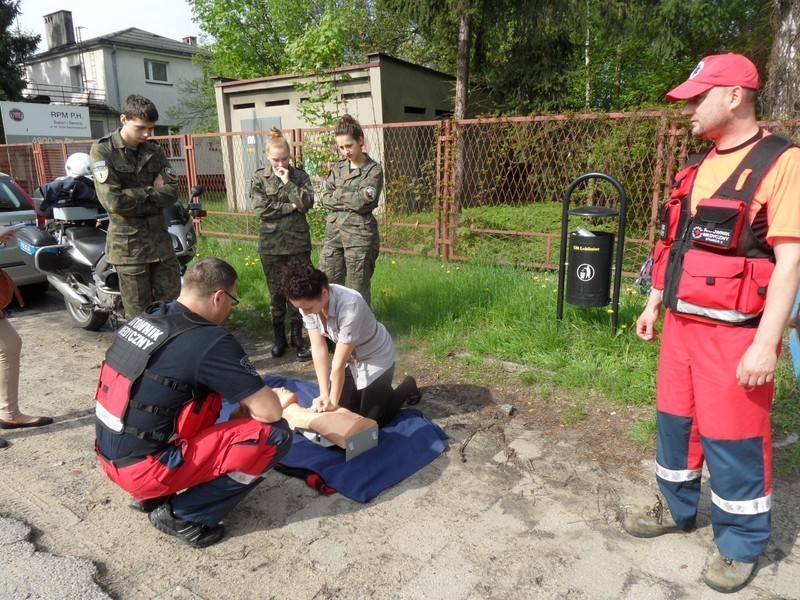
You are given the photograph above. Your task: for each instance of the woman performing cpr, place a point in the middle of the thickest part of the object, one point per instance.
(341, 315)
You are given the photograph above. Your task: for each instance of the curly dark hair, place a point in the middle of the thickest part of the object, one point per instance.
(301, 281)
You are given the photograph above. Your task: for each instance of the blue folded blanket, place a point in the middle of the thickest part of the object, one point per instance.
(406, 444)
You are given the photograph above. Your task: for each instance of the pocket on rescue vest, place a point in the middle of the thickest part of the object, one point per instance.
(711, 280)
(717, 223)
(660, 260)
(113, 391)
(725, 282)
(753, 295)
(669, 216)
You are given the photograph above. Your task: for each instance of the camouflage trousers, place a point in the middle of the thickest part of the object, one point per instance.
(143, 284)
(351, 266)
(273, 265)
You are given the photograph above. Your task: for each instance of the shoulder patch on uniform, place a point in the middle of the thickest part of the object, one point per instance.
(100, 171)
(369, 193)
(170, 173)
(248, 366)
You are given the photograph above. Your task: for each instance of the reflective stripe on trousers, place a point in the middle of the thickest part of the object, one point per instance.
(704, 416)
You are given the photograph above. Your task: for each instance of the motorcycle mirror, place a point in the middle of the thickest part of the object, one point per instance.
(197, 190)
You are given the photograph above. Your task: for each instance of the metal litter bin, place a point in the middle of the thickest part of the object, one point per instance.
(589, 269)
(590, 255)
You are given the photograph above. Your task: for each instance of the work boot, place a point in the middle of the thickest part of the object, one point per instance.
(303, 349)
(196, 535)
(279, 333)
(656, 521)
(727, 575)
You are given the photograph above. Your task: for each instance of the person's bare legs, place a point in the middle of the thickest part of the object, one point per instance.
(10, 350)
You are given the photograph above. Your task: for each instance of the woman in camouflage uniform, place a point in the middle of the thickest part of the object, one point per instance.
(350, 194)
(282, 195)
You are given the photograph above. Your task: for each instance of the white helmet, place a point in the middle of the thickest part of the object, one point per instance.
(78, 164)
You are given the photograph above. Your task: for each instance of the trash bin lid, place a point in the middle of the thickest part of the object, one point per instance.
(593, 211)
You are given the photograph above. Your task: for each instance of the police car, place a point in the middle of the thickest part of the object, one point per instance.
(16, 208)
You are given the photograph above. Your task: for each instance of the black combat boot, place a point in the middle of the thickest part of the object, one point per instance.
(279, 331)
(303, 349)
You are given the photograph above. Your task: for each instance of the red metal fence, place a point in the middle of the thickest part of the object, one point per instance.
(479, 189)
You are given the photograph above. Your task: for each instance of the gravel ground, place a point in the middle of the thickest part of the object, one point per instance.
(520, 506)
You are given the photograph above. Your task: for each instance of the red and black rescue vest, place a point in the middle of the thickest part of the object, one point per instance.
(126, 362)
(717, 263)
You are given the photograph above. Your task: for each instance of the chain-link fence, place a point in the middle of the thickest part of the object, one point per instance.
(482, 189)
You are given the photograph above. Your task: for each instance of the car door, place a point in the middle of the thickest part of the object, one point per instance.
(16, 208)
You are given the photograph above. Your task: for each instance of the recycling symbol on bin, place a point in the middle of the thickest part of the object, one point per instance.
(585, 272)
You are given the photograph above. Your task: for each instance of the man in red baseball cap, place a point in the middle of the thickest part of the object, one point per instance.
(729, 229)
(717, 70)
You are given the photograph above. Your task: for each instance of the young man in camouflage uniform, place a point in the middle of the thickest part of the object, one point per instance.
(282, 195)
(134, 183)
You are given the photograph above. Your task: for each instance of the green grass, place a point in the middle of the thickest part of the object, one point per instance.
(508, 313)
(575, 413)
(504, 312)
(644, 433)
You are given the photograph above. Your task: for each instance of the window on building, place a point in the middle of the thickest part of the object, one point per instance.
(76, 77)
(155, 72)
(357, 95)
(98, 129)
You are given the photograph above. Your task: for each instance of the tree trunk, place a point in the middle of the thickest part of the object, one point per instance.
(587, 59)
(462, 95)
(782, 90)
(462, 68)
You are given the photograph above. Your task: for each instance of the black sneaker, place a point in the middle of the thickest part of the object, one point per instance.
(415, 395)
(149, 505)
(196, 535)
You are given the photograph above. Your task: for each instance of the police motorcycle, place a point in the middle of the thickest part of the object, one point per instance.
(71, 251)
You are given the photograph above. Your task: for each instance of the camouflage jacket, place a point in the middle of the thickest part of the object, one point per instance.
(350, 196)
(137, 232)
(282, 208)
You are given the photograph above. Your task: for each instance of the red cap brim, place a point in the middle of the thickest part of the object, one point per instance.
(688, 89)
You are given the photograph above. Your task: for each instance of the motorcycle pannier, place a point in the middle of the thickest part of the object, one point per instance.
(31, 239)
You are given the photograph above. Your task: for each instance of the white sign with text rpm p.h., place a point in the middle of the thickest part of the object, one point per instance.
(25, 122)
